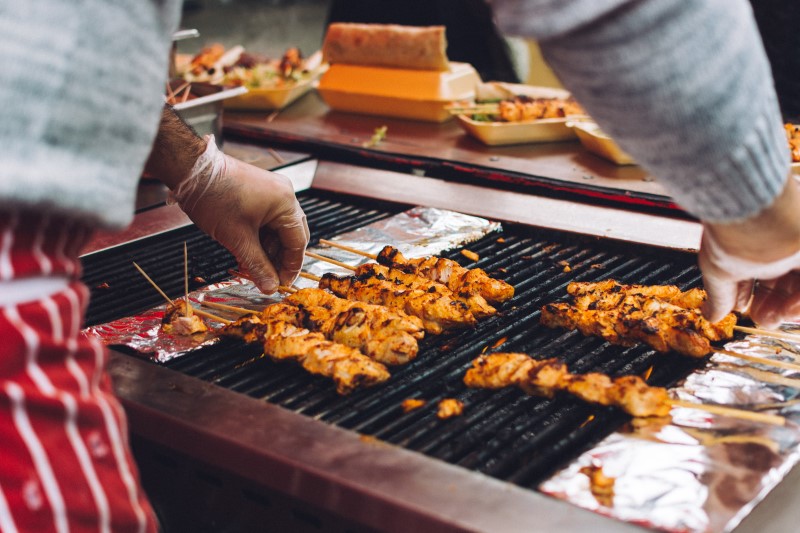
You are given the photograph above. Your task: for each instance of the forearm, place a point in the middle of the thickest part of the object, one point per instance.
(175, 150)
(684, 86)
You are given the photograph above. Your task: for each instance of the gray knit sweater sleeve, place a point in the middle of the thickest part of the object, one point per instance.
(81, 93)
(683, 85)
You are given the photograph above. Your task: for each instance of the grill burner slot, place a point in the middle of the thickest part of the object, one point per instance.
(503, 433)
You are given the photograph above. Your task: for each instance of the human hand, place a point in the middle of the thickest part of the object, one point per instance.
(755, 262)
(252, 212)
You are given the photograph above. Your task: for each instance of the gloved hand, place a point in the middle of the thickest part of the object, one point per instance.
(755, 263)
(252, 212)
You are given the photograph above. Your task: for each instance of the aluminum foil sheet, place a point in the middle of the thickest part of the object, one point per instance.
(696, 471)
(416, 232)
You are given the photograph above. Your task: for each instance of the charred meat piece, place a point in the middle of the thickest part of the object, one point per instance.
(548, 376)
(349, 368)
(437, 312)
(177, 320)
(448, 272)
(476, 303)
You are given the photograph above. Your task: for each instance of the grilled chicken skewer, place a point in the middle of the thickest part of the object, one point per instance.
(349, 368)
(445, 271)
(661, 316)
(546, 377)
(388, 336)
(476, 303)
(629, 393)
(438, 312)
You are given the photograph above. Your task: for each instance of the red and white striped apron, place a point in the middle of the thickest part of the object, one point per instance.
(65, 463)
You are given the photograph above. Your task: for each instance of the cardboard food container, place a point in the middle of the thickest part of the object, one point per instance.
(264, 99)
(527, 131)
(597, 142)
(395, 92)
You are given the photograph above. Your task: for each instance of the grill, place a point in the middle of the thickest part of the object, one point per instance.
(504, 434)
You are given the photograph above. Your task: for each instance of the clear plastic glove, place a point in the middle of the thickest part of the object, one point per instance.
(252, 212)
(755, 264)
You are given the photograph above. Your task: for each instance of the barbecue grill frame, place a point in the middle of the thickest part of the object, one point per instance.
(370, 482)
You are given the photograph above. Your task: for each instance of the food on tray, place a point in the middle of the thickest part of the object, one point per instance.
(349, 368)
(235, 67)
(180, 320)
(549, 376)
(449, 408)
(793, 136)
(411, 404)
(448, 272)
(525, 108)
(662, 316)
(438, 311)
(386, 45)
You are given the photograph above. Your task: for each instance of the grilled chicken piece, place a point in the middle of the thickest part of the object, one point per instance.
(175, 321)
(438, 312)
(476, 303)
(548, 376)
(349, 368)
(662, 316)
(352, 327)
(448, 272)
(450, 407)
(379, 315)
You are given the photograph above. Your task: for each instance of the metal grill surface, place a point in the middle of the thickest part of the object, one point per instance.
(504, 433)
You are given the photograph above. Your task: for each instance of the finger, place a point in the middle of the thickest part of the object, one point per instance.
(722, 297)
(293, 235)
(745, 295)
(252, 258)
(776, 301)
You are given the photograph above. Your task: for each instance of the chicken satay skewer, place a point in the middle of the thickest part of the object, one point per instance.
(630, 393)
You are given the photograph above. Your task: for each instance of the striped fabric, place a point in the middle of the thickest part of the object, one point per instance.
(66, 464)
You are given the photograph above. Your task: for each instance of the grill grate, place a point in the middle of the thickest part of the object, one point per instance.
(504, 433)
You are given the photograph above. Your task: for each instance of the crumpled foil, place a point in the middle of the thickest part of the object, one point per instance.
(416, 232)
(699, 472)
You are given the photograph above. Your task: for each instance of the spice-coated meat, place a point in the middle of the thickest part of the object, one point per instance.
(448, 272)
(548, 376)
(178, 321)
(438, 312)
(349, 368)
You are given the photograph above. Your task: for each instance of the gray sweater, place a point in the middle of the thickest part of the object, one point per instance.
(81, 89)
(683, 85)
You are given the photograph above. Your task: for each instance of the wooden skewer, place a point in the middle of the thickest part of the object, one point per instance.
(213, 317)
(153, 283)
(312, 277)
(766, 418)
(766, 333)
(329, 260)
(356, 251)
(226, 307)
(170, 95)
(282, 288)
(186, 278)
(276, 156)
(761, 360)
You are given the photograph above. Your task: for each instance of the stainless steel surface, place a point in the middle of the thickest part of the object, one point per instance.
(376, 484)
(508, 206)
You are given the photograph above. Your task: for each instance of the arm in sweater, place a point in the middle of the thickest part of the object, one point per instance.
(682, 85)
